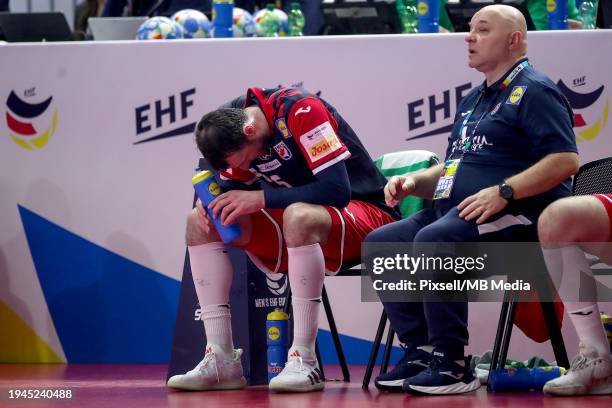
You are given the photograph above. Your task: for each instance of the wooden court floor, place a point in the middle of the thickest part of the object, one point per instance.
(143, 386)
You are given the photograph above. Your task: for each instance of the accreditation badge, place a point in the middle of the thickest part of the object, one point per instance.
(447, 179)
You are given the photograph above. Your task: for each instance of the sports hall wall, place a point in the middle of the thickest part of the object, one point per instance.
(97, 153)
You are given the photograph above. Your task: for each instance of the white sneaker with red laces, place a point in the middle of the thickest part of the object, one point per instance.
(589, 374)
(217, 371)
(301, 373)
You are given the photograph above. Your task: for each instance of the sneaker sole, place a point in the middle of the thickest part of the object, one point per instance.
(391, 385)
(296, 388)
(458, 388)
(233, 385)
(569, 390)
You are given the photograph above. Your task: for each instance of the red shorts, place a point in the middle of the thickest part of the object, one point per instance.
(606, 200)
(350, 226)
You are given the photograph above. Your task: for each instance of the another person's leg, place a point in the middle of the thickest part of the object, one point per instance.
(566, 228)
(407, 319)
(449, 371)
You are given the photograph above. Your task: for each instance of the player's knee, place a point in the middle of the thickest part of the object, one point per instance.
(555, 223)
(195, 234)
(302, 224)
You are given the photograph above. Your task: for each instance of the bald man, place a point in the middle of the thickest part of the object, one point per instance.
(511, 153)
(566, 228)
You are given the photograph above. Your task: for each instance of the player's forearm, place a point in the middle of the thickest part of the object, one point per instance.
(544, 175)
(332, 187)
(425, 181)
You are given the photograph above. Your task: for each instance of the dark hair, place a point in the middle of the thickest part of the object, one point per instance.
(219, 133)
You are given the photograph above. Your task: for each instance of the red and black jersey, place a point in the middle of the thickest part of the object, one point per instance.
(308, 136)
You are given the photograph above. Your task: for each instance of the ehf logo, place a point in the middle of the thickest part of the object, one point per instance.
(432, 115)
(30, 121)
(165, 117)
(590, 109)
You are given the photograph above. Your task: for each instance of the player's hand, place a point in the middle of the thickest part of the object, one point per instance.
(204, 220)
(482, 205)
(397, 188)
(236, 203)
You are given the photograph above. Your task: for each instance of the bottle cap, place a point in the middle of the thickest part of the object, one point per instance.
(200, 176)
(278, 315)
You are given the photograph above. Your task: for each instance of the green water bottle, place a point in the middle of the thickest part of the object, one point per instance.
(588, 14)
(296, 21)
(407, 12)
(270, 22)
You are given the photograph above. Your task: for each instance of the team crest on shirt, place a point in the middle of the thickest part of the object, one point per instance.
(282, 150)
(495, 109)
(516, 95)
(281, 125)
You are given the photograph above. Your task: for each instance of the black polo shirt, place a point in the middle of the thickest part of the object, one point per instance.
(510, 129)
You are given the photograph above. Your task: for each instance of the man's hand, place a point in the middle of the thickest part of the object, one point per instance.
(397, 188)
(483, 204)
(203, 219)
(236, 203)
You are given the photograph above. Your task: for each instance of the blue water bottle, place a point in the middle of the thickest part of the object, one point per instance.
(223, 19)
(428, 13)
(277, 328)
(522, 379)
(208, 189)
(557, 14)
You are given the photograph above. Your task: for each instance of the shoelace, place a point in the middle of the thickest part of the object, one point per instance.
(293, 362)
(203, 365)
(435, 363)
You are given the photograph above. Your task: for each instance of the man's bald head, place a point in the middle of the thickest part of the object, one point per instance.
(508, 18)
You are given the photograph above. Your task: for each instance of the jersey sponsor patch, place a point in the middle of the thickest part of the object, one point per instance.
(269, 166)
(281, 125)
(516, 95)
(320, 142)
(283, 151)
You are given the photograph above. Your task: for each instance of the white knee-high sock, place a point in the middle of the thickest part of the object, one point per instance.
(211, 269)
(306, 275)
(578, 286)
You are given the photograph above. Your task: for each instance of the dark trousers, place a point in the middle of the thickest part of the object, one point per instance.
(443, 324)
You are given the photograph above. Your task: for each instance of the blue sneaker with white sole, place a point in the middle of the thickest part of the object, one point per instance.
(413, 362)
(444, 376)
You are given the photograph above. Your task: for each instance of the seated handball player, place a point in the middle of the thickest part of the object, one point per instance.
(566, 228)
(305, 193)
(514, 150)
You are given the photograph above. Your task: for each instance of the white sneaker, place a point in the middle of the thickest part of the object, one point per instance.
(217, 371)
(301, 373)
(589, 374)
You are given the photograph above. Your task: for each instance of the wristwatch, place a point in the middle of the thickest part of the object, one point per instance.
(506, 191)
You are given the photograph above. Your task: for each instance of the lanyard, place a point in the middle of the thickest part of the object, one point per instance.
(468, 141)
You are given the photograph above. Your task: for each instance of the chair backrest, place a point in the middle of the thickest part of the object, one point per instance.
(594, 178)
(406, 162)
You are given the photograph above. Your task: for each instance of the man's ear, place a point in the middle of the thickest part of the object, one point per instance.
(249, 129)
(515, 38)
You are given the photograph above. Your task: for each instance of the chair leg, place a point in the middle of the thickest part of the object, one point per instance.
(374, 352)
(503, 316)
(287, 306)
(335, 337)
(318, 354)
(503, 354)
(496, 361)
(387, 355)
(554, 331)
